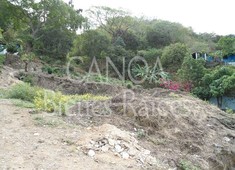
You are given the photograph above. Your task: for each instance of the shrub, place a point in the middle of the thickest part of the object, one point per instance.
(50, 101)
(174, 85)
(229, 111)
(26, 78)
(151, 75)
(54, 70)
(2, 60)
(173, 56)
(187, 165)
(22, 91)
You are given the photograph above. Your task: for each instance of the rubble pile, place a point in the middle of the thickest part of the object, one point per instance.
(123, 144)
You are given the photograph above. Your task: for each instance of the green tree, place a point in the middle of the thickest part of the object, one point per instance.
(114, 21)
(91, 43)
(51, 26)
(191, 70)
(173, 56)
(227, 44)
(218, 83)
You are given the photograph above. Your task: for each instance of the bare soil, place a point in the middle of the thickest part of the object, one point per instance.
(169, 127)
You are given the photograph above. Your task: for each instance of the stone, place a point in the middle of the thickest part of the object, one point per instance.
(125, 155)
(132, 151)
(36, 134)
(91, 153)
(151, 160)
(226, 139)
(111, 142)
(105, 148)
(147, 152)
(118, 148)
(92, 142)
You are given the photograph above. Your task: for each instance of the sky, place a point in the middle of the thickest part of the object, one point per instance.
(211, 16)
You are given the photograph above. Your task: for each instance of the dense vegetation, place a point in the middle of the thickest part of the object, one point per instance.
(48, 31)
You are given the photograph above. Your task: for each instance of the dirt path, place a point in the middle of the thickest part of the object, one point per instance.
(24, 145)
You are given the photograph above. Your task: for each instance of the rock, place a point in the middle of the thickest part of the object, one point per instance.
(226, 139)
(36, 134)
(92, 142)
(151, 160)
(118, 148)
(91, 153)
(147, 152)
(125, 155)
(105, 148)
(111, 142)
(132, 151)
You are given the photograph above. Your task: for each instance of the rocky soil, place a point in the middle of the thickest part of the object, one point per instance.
(136, 129)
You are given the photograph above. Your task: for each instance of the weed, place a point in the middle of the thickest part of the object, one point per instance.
(141, 133)
(187, 165)
(22, 91)
(21, 103)
(41, 121)
(3, 93)
(229, 111)
(50, 101)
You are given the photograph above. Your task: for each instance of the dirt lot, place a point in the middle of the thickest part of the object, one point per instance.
(139, 129)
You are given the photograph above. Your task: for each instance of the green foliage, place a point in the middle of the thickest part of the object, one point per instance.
(150, 54)
(187, 165)
(227, 44)
(50, 101)
(42, 121)
(59, 71)
(217, 83)
(27, 58)
(91, 43)
(151, 75)
(119, 42)
(55, 43)
(23, 104)
(158, 38)
(131, 40)
(202, 92)
(173, 56)
(229, 111)
(115, 20)
(12, 47)
(26, 78)
(192, 70)
(22, 91)
(2, 60)
(3, 93)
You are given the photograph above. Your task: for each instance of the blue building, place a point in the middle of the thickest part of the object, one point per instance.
(229, 60)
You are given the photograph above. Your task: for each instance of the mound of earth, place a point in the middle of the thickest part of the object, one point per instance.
(176, 125)
(7, 77)
(139, 129)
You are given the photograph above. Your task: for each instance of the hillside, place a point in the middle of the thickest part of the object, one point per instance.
(135, 129)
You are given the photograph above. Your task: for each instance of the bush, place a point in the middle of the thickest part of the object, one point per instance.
(26, 78)
(54, 70)
(187, 165)
(173, 56)
(22, 91)
(2, 60)
(50, 101)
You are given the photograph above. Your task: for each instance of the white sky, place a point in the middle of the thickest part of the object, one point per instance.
(212, 16)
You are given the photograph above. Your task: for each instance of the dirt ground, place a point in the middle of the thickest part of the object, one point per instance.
(136, 129)
(26, 145)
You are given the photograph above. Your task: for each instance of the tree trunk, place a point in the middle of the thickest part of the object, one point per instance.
(220, 101)
(26, 67)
